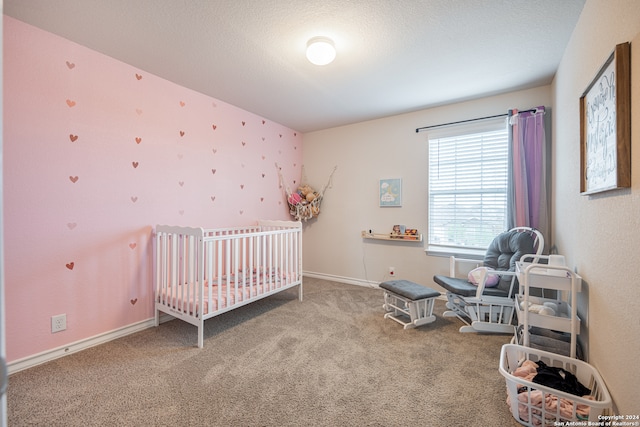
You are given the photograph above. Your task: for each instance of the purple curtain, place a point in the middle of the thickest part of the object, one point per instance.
(527, 201)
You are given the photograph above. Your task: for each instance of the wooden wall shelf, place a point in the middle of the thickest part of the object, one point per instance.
(391, 237)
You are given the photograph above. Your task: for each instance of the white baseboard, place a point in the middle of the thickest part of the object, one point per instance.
(351, 281)
(341, 279)
(56, 353)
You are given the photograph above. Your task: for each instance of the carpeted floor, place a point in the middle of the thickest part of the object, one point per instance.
(330, 360)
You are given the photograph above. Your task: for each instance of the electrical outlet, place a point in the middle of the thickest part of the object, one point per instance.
(392, 271)
(58, 323)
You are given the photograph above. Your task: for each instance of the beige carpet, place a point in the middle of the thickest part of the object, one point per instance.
(331, 360)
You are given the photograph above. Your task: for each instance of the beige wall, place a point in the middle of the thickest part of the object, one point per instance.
(600, 234)
(365, 153)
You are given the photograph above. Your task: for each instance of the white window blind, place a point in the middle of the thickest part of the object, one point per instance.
(467, 185)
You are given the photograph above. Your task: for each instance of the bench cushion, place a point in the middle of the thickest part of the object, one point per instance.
(410, 290)
(463, 288)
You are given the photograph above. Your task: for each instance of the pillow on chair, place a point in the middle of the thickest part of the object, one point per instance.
(491, 281)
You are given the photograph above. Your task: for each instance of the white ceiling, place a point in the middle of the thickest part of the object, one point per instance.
(394, 56)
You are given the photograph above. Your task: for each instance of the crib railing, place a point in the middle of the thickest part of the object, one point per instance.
(201, 273)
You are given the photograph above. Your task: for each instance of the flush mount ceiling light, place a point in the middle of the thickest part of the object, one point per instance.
(320, 50)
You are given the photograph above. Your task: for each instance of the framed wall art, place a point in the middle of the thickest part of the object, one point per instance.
(390, 192)
(605, 126)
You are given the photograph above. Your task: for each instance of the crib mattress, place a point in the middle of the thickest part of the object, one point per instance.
(223, 296)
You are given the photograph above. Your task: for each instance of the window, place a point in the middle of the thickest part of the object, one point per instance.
(467, 185)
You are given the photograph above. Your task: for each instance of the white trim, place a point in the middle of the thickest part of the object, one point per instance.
(341, 279)
(352, 281)
(56, 353)
(458, 252)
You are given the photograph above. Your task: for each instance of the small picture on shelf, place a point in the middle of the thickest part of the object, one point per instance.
(398, 230)
(402, 232)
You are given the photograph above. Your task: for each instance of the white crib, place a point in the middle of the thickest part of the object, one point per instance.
(201, 273)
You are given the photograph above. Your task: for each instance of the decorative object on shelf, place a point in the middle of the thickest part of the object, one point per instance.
(605, 126)
(304, 203)
(398, 230)
(404, 233)
(390, 192)
(413, 237)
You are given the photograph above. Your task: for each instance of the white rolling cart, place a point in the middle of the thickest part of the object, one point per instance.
(558, 278)
(532, 403)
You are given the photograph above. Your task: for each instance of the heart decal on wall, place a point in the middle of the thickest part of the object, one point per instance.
(138, 140)
(74, 179)
(71, 103)
(214, 127)
(135, 164)
(73, 137)
(181, 183)
(138, 76)
(133, 301)
(181, 133)
(70, 65)
(134, 199)
(213, 171)
(139, 111)
(71, 225)
(213, 198)
(133, 245)
(70, 265)
(182, 104)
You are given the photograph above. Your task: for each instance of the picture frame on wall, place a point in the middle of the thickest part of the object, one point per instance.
(390, 192)
(605, 126)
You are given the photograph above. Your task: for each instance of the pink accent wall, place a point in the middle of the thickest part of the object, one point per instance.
(96, 153)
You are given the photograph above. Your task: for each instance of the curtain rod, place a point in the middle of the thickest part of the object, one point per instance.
(533, 110)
